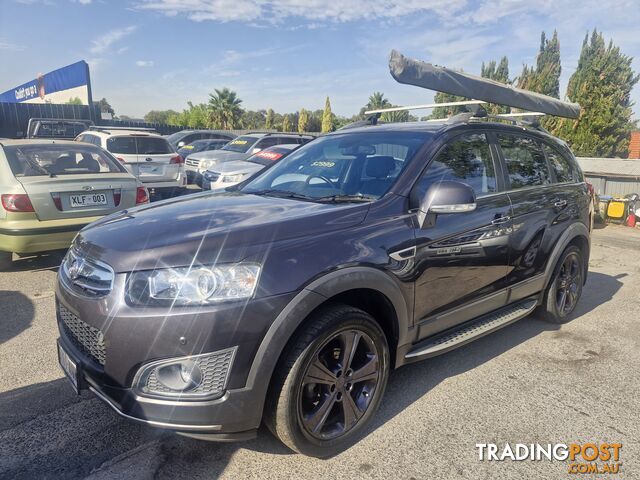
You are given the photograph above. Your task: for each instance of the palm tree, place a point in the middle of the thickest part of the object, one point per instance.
(377, 101)
(224, 109)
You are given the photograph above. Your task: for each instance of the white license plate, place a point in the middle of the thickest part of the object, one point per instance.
(87, 200)
(69, 367)
(148, 169)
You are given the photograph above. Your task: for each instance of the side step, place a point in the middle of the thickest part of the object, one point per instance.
(465, 333)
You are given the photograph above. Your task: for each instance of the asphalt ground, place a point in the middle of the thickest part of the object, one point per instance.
(531, 382)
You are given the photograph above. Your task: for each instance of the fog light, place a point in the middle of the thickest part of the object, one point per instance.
(195, 376)
(180, 377)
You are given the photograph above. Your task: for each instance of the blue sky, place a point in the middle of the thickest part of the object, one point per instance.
(288, 54)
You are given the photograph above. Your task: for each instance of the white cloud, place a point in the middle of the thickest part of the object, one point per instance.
(317, 10)
(103, 42)
(144, 63)
(10, 46)
(84, 2)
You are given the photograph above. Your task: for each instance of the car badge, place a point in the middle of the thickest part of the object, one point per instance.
(87, 187)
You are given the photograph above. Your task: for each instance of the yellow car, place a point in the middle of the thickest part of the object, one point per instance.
(50, 189)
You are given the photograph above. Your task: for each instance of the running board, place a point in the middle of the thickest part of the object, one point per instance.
(461, 335)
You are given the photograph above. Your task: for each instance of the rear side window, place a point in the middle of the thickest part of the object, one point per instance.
(122, 145)
(131, 145)
(526, 163)
(153, 146)
(466, 159)
(52, 159)
(564, 169)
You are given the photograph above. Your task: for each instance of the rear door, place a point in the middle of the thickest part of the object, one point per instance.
(541, 210)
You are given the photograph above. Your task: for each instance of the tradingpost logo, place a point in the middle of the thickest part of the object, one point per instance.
(590, 457)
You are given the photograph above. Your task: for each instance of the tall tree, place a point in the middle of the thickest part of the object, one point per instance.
(445, 112)
(225, 110)
(160, 116)
(602, 85)
(286, 124)
(545, 77)
(269, 119)
(327, 117)
(303, 121)
(105, 106)
(498, 72)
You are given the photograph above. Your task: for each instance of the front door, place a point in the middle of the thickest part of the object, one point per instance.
(462, 258)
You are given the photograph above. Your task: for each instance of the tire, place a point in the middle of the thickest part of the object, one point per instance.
(568, 277)
(312, 417)
(6, 261)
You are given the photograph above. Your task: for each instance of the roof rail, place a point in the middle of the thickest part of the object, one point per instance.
(426, 106)
(421, 74)
(113, 127)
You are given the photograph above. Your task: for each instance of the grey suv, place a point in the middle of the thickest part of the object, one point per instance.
(290, 297)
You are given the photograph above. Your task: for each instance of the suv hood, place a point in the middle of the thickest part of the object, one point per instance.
(207, 228)
(219, 155)
(236, 166)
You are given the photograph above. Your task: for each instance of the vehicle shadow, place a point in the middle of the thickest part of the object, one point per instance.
(21, 318)
(42, 261)
(74, 436)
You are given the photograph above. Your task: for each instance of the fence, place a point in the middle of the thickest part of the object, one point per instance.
(14, 117)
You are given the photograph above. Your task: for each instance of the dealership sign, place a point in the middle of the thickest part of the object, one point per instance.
(60, 86)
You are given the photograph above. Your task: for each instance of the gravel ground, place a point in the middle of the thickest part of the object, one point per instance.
(529, 382)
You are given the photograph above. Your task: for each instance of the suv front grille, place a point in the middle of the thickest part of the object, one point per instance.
(86, 338)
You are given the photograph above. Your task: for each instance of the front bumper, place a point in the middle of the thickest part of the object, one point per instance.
(134, 337)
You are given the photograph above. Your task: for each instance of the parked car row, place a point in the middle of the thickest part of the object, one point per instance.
(52, 188)
(239, 148)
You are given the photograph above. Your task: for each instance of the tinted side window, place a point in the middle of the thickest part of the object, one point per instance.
(565, 172)
(526, 164)
(465, 159)
(153, 146)
(267, 142)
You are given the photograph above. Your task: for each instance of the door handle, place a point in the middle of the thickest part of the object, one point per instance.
(148, 159)
(560, 204)
(501, 220)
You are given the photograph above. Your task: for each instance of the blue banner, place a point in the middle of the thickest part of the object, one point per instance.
(53, 87)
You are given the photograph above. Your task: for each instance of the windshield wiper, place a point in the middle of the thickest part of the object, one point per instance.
(345, 198)
(281, 193)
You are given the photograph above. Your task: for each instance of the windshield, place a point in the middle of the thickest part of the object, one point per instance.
(175, 137)
(240, 144)
(53, 160)
(350, 164)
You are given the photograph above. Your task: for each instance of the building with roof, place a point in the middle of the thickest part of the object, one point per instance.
(612, 176)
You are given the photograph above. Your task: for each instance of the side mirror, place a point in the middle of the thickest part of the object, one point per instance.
(446, 197)
(255, 150)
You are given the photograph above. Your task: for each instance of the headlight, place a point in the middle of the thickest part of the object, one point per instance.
(232, 178)
(196, 285)
(206, 164)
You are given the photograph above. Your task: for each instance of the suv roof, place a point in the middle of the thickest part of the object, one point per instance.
(279, 134)
(106, 132)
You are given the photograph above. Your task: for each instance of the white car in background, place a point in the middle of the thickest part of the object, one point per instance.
(230, 173)
(145, 154)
